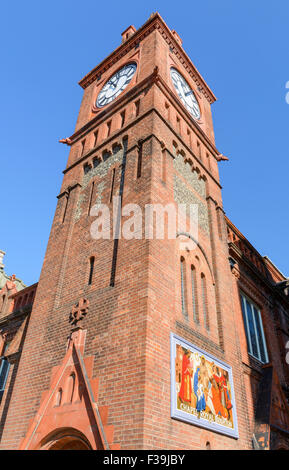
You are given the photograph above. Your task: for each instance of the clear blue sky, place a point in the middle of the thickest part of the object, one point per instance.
(241, 49)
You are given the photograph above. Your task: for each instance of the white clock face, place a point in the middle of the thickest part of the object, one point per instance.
(115, 85)
(185, 94)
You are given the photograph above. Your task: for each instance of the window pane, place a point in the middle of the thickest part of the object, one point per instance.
(260, 336)
(252, 329)
(4, 368)
(245, 323)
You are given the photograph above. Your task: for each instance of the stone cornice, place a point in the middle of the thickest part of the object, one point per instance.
(17, 315)
(239, 256)
(243, 238)
(107, 141)
(68, 190)
(103, 115)
(155, 22)
(123, 130)
(239, 274)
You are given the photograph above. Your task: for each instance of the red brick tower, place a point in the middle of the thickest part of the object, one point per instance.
(144, 132)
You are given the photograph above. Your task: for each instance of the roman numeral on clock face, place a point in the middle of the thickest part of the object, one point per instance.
(185, 93)
(115, 85)
(101, 100)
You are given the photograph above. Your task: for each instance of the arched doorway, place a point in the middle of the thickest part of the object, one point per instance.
(69, 443)
(65, 439)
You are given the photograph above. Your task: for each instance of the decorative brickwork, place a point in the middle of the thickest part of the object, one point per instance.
(184, 195)
(190, 175)
(113, 390)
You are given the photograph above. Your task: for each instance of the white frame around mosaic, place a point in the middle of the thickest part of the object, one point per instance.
(191, 418)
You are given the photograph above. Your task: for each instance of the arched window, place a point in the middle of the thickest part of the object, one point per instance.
(90, 197)
(167, 107)
(65, 204)
(58, 398)
(82, 147)
(137, 107)
(183, 288)
(91, 269)
(139, 158)
(95, 136)
(205, 301)
(175, 148)
(112, 185)
(164, 166)
(194, 294)
(122, 119)
(208, 445)
(70, 388)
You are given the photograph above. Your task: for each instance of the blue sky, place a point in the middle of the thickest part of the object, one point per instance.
(240, 48)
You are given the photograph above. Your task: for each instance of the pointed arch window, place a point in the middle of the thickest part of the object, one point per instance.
(95, 138)
(58, 399)
(194, 294)
(205, 301)
(183, 287)
(137, 107)
(164, 166)
(139, 158)
(70, 387)
(91, 269)
(112, 185)
(90, 198)
(82, 146)
(122, 119)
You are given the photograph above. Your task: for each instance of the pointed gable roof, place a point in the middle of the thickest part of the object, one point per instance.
(69, 406)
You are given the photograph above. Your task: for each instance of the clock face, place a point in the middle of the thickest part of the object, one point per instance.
(185, 94)
(115, 85)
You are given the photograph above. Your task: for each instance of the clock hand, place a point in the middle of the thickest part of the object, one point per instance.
(113, 83)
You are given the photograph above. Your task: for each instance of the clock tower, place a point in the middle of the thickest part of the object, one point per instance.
(116, 317)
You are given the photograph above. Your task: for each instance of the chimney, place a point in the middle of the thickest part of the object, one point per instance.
(2, 253)
(128, 32)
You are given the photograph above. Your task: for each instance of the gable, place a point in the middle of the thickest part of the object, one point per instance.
(69, 407)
